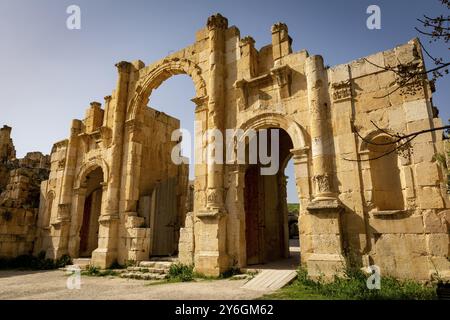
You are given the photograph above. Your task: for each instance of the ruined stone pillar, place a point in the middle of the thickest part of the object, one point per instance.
(216, 26)
(281, 42)
(113, 192)
(63, 218)
(69, 171)
(321, 138)
(210, 253)
(322, 225)
(106, 253)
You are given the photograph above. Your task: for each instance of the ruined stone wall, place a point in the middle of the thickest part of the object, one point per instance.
(19, 197)
(92, 145)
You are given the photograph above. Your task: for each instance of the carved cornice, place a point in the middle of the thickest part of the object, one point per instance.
(280, 75)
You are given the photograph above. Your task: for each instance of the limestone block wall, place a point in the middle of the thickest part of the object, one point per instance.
(395, 213)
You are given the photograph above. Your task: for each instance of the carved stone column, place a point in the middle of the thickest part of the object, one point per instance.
(61, 225)
(113, 192)
(321, 227)
(210, 243)
(217, 24)
(321, 139)
(106, 253)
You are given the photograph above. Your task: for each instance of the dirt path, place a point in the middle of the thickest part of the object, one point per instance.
(52, 285)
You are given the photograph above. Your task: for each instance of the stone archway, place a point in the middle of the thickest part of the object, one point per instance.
(151, 77)
(269, 244)
(87, 208)
(89, 224)
(143, 187)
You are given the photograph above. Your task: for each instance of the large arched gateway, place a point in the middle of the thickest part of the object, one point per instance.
(353, 210)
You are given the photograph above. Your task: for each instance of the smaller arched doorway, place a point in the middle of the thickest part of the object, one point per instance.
(89, 225)
(265, 206)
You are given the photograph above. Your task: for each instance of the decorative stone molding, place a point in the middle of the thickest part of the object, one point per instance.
(325, 206)
(386, 213)
(201, 103)
(61, 164)
(214, 198)
(342, 91)
(323, 183)
(281, 76)
(209, 214)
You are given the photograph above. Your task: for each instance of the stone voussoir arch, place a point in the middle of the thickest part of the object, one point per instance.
(276, 120)
(154, 75)
(90, 166)
(372, 135)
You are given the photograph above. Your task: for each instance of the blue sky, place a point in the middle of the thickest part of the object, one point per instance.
(50, 73)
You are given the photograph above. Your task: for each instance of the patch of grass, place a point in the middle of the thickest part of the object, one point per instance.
(30, 262)
(181, 272)
(293, 206)
(352, 286)
(93, 271)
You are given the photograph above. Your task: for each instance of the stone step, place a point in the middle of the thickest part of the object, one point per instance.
(148, 270)
(156, 264)
(143, 276)
(167, 259)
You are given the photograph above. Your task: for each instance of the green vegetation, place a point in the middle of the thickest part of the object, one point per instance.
(96, 272)
(185, 273)
(293, 206)
(352, 286)
(39, 262)
(181, 273)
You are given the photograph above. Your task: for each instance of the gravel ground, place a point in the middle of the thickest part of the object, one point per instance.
(51, 285)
